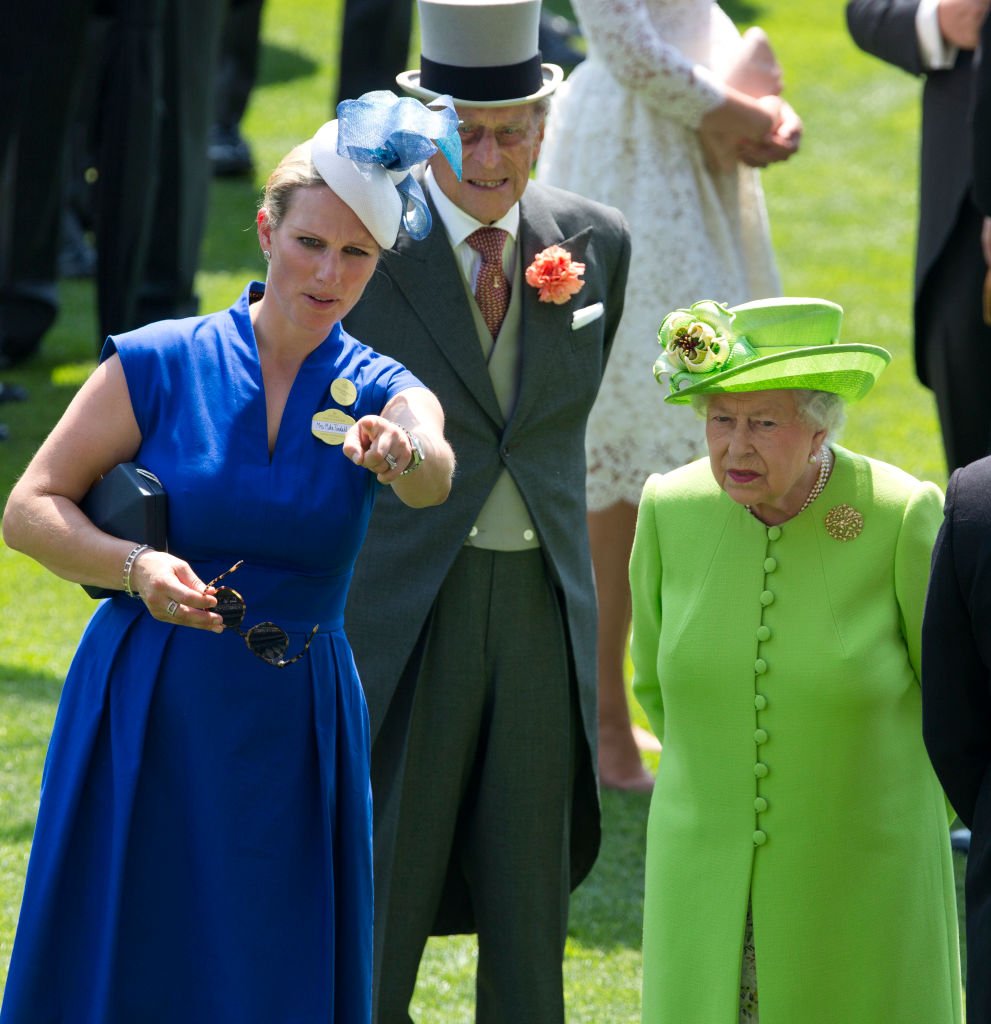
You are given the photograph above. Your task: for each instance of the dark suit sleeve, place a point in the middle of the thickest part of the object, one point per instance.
(956, 709)
(886, 29)
(617, 291)
(982, 123)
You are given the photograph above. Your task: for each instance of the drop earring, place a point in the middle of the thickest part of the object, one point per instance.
(267, 255)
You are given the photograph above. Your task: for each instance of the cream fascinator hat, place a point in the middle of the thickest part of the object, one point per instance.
(366, 155)
(763, 345)
(483, 53)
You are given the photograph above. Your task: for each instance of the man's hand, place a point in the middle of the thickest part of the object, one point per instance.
(960, 21)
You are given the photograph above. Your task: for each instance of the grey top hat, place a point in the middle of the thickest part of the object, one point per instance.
(483, 53)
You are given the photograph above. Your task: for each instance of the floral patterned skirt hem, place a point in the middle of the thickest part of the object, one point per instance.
(748, 976)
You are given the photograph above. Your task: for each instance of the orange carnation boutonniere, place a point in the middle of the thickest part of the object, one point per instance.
(555, 274)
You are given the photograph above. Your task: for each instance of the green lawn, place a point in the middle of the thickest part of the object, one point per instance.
(843, 216)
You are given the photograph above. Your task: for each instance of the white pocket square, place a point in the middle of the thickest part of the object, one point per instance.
(583, 317)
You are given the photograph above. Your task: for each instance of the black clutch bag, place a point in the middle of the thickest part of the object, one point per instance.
(128, 502)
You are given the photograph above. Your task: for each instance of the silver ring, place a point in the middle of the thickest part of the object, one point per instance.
(172, 607)
(391, 459)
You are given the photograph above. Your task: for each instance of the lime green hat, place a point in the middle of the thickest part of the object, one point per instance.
(759, 346)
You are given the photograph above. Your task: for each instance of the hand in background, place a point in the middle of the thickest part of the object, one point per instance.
(733, 133)
(960, 21)
(782, 143)
(739, 118)
(723, 149)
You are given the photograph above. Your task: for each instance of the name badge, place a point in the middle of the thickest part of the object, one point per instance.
(331, 425)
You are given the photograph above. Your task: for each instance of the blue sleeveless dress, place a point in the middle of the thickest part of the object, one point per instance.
(203, 845)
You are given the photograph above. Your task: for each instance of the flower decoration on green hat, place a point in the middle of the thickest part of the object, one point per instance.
(699, 339)
(710, 348)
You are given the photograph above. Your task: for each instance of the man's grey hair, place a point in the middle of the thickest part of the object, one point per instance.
(541, 108)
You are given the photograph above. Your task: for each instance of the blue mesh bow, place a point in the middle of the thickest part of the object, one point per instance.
(397, 133)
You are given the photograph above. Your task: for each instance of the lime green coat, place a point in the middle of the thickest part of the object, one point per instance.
(780, 669)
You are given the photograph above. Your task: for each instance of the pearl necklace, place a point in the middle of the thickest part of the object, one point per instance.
(825, 467)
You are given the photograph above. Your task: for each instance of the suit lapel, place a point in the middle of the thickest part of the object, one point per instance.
(428, 276)
(544, 327)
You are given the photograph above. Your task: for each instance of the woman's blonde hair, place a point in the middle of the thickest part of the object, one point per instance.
(294, 171)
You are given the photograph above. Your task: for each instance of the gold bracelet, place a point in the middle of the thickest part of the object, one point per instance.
(129, 564)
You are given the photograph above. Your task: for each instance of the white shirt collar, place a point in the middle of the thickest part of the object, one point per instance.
(458, 224)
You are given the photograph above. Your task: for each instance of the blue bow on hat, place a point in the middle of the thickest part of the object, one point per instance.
(396, 133)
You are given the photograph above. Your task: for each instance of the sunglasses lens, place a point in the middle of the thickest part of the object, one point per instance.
(268, 641)
(230, 607)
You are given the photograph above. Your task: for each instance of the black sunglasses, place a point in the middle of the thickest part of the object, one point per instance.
(266, 640)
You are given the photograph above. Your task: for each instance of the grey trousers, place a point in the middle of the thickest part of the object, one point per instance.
(473, 776)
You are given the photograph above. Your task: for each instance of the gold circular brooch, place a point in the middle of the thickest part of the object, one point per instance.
(844, 522)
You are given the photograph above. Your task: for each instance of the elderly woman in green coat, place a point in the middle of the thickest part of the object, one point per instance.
(798, 857)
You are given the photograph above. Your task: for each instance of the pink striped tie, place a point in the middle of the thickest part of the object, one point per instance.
(491, 287)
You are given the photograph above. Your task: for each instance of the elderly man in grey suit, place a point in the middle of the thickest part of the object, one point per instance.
(474, 630)
(936, 38)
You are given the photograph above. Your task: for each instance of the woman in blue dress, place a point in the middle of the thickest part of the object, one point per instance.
(203, 845)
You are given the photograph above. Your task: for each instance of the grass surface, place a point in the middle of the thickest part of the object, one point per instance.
(843, 218)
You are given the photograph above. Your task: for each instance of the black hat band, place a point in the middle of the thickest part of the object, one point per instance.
(483, 85)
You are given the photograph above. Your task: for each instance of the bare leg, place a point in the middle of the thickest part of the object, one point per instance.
(611, 537)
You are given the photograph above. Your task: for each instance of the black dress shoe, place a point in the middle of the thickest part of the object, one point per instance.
(230, 156)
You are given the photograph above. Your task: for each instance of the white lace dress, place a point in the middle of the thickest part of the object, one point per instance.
(622, 130)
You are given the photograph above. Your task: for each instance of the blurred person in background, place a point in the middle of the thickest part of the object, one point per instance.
(667, 120)
(936, 39)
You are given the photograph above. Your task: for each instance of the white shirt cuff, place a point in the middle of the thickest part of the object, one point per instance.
(937, 54)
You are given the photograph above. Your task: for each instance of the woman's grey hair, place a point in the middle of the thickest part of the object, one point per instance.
(294, 171)
(821, 410)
